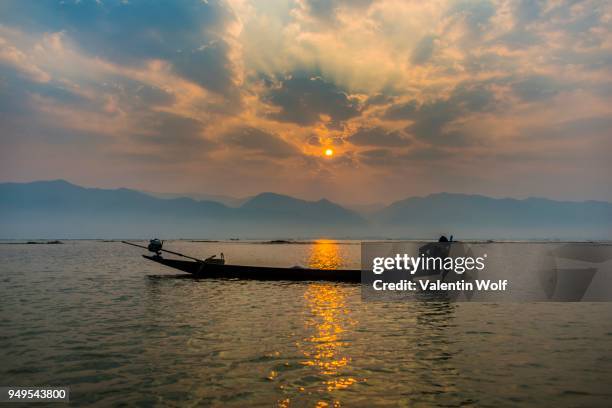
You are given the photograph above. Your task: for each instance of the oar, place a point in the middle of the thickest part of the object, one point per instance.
(164, 250)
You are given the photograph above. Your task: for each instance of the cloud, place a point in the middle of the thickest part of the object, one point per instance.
(191, 35)
(431, 120)
(304, 100)
(377, 157)
(17, 92)
(583, 128)
(15, 58)
(166, 129)
(526, 11)
(326, 10)
(402, 111)
(209, 66)
(475, 14)
(260, 142)
(427, 153)
(314, 141)
(379, 99)
(377, 136)
(423, 50)
(147, 95)
(537, 88)
(394, 158)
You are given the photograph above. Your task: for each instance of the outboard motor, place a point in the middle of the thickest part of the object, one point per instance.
(155, 245)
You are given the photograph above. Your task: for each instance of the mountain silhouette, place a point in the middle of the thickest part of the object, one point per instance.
(59, 209)
(281, 206)
(482, 217)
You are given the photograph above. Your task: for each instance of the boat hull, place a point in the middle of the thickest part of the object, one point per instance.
(217, 271)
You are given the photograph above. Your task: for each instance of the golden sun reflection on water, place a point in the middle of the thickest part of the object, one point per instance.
(325, 255)
(329, 321)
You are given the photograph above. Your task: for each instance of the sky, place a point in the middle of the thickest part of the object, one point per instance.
(501, 98)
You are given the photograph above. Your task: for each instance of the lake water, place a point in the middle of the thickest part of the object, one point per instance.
(117, 328)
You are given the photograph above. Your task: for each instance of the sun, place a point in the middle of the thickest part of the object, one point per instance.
(329, 152)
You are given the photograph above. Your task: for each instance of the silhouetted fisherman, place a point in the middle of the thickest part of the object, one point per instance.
(155, 245)
(438, 249)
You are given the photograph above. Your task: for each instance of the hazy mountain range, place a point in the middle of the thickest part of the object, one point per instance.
(223, 199)
(58, 209)
(363, 209)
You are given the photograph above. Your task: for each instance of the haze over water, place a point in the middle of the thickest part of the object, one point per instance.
(116, 328)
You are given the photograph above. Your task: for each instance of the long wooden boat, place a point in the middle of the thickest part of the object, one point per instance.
(203, 269)
(217, 269)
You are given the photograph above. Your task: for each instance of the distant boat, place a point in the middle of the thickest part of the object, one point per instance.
(216, 268)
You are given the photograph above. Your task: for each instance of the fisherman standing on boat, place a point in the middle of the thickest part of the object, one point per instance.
(155, 245)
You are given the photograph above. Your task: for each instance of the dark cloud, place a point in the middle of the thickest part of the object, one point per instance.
(537, 88)
(153, 96)
(167, 128)
(208, 65)
(533, 18)
(423, 50)
(16, 92)
(476, 14)
(593, 59)
(473, 97)
(259, 141)
(189, 34)
(428, 153)
(581, 128)
(584, 23)
(518, 38)
(491, 62)
(132, 96)
(379, 99)
(431, 118)
(326, 10)
(562, 16)
(403, 111)
(388, 157)
(526, 11)
(377, 136)
(20, 95)
(377, 157)
(337, 141)
(165, 135)
(314, 141)
(153, 127)
(302, 100)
